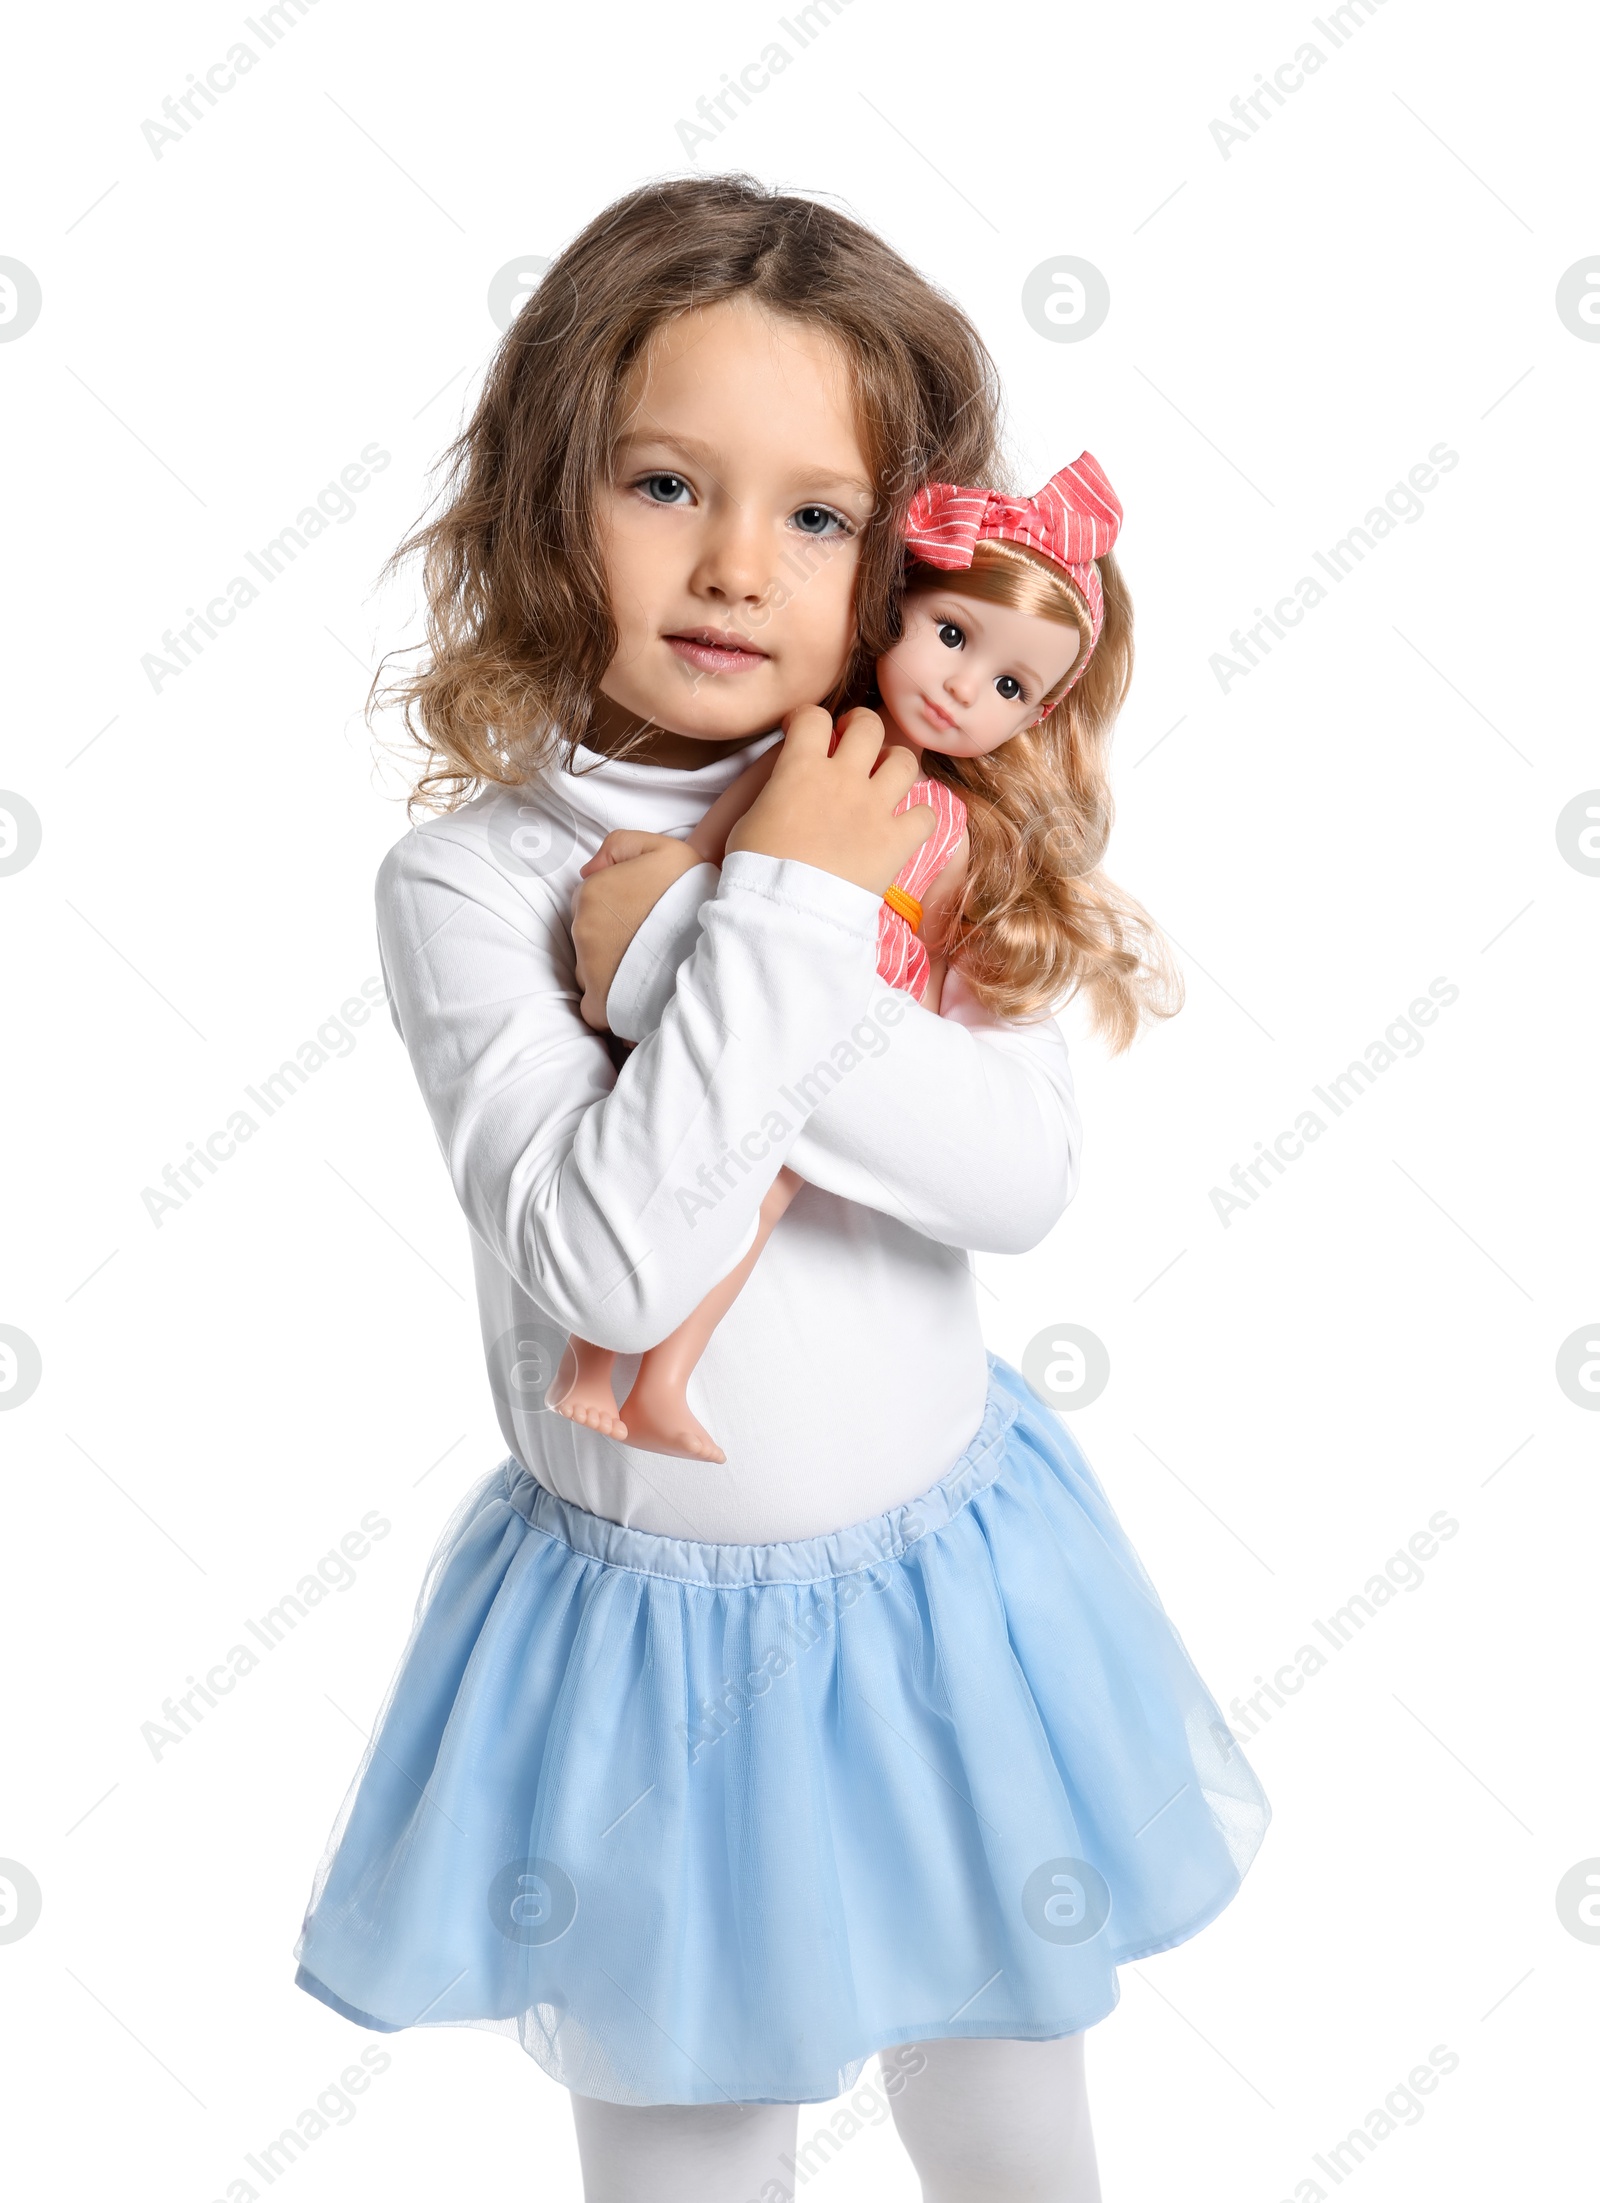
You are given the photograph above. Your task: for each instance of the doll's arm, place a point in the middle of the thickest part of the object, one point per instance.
(939, 906)
(943, 897)
(616, 1199)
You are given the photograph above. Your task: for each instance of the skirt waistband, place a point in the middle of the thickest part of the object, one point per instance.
(846, 1552)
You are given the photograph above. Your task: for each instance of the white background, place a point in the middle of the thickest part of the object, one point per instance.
(223, 1397)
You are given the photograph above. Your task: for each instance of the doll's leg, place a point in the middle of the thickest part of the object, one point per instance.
(997, 2121)
(683, 2153)
(656, 1411)
(586, 1397)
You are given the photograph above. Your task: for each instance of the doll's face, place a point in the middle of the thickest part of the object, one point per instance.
(731, 529)
(966, 675)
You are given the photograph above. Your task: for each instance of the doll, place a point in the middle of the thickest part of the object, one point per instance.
(1002, 606)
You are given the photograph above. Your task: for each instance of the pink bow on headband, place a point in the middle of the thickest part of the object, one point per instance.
(1072, 522)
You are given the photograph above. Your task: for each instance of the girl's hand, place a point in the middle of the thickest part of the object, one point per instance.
(618, 888)
(833, 810)
(622, 843)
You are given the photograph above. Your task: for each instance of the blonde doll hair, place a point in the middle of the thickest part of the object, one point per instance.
(1039, 921)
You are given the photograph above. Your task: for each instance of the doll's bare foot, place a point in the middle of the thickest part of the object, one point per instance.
(659, 1421)
(586, 1396)
(593, 1414)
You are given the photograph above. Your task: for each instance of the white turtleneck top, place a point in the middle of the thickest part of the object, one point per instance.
(850, 1372)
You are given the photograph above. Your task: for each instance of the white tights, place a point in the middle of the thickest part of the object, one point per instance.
(982, 2122)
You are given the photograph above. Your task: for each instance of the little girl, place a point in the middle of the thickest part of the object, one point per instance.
(711, 1781)
(964, 681)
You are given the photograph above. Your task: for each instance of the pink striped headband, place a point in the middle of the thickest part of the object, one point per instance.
(1072, 521)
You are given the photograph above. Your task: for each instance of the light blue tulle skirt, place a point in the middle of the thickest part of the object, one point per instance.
(700, 1823)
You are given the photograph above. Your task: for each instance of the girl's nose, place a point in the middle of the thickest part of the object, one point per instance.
(735, 563)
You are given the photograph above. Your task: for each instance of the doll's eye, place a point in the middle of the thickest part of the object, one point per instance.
(666, 489)
(821, 520)
(1010, 688)
(950, 635)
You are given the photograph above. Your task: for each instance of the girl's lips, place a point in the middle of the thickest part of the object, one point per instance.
(709, 652)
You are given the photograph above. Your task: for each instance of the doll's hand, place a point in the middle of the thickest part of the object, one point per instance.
(835, 811)
(618, 888)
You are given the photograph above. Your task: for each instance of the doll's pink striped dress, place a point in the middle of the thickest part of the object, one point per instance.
(902, 958)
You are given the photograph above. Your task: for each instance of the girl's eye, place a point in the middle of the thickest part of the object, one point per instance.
(1010, 688)
(951, 635)
(821, 520)
(666, 489)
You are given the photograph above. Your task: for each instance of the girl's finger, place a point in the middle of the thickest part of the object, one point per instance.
(807, 731)
(919, 822)
(860, 739)
(619, 845)
(896, 773)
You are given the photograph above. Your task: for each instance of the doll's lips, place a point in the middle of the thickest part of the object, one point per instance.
(715, 650)
(937, 713)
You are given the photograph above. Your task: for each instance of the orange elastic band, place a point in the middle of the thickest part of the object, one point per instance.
(904, 905)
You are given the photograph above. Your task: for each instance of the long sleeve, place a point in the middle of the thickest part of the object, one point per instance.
(648, 971)
(964, 1126)
(616, 1199)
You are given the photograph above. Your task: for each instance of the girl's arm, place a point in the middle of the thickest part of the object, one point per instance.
(966, 1128)
(616, 1199)
(962, 1125)
(642, 871)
